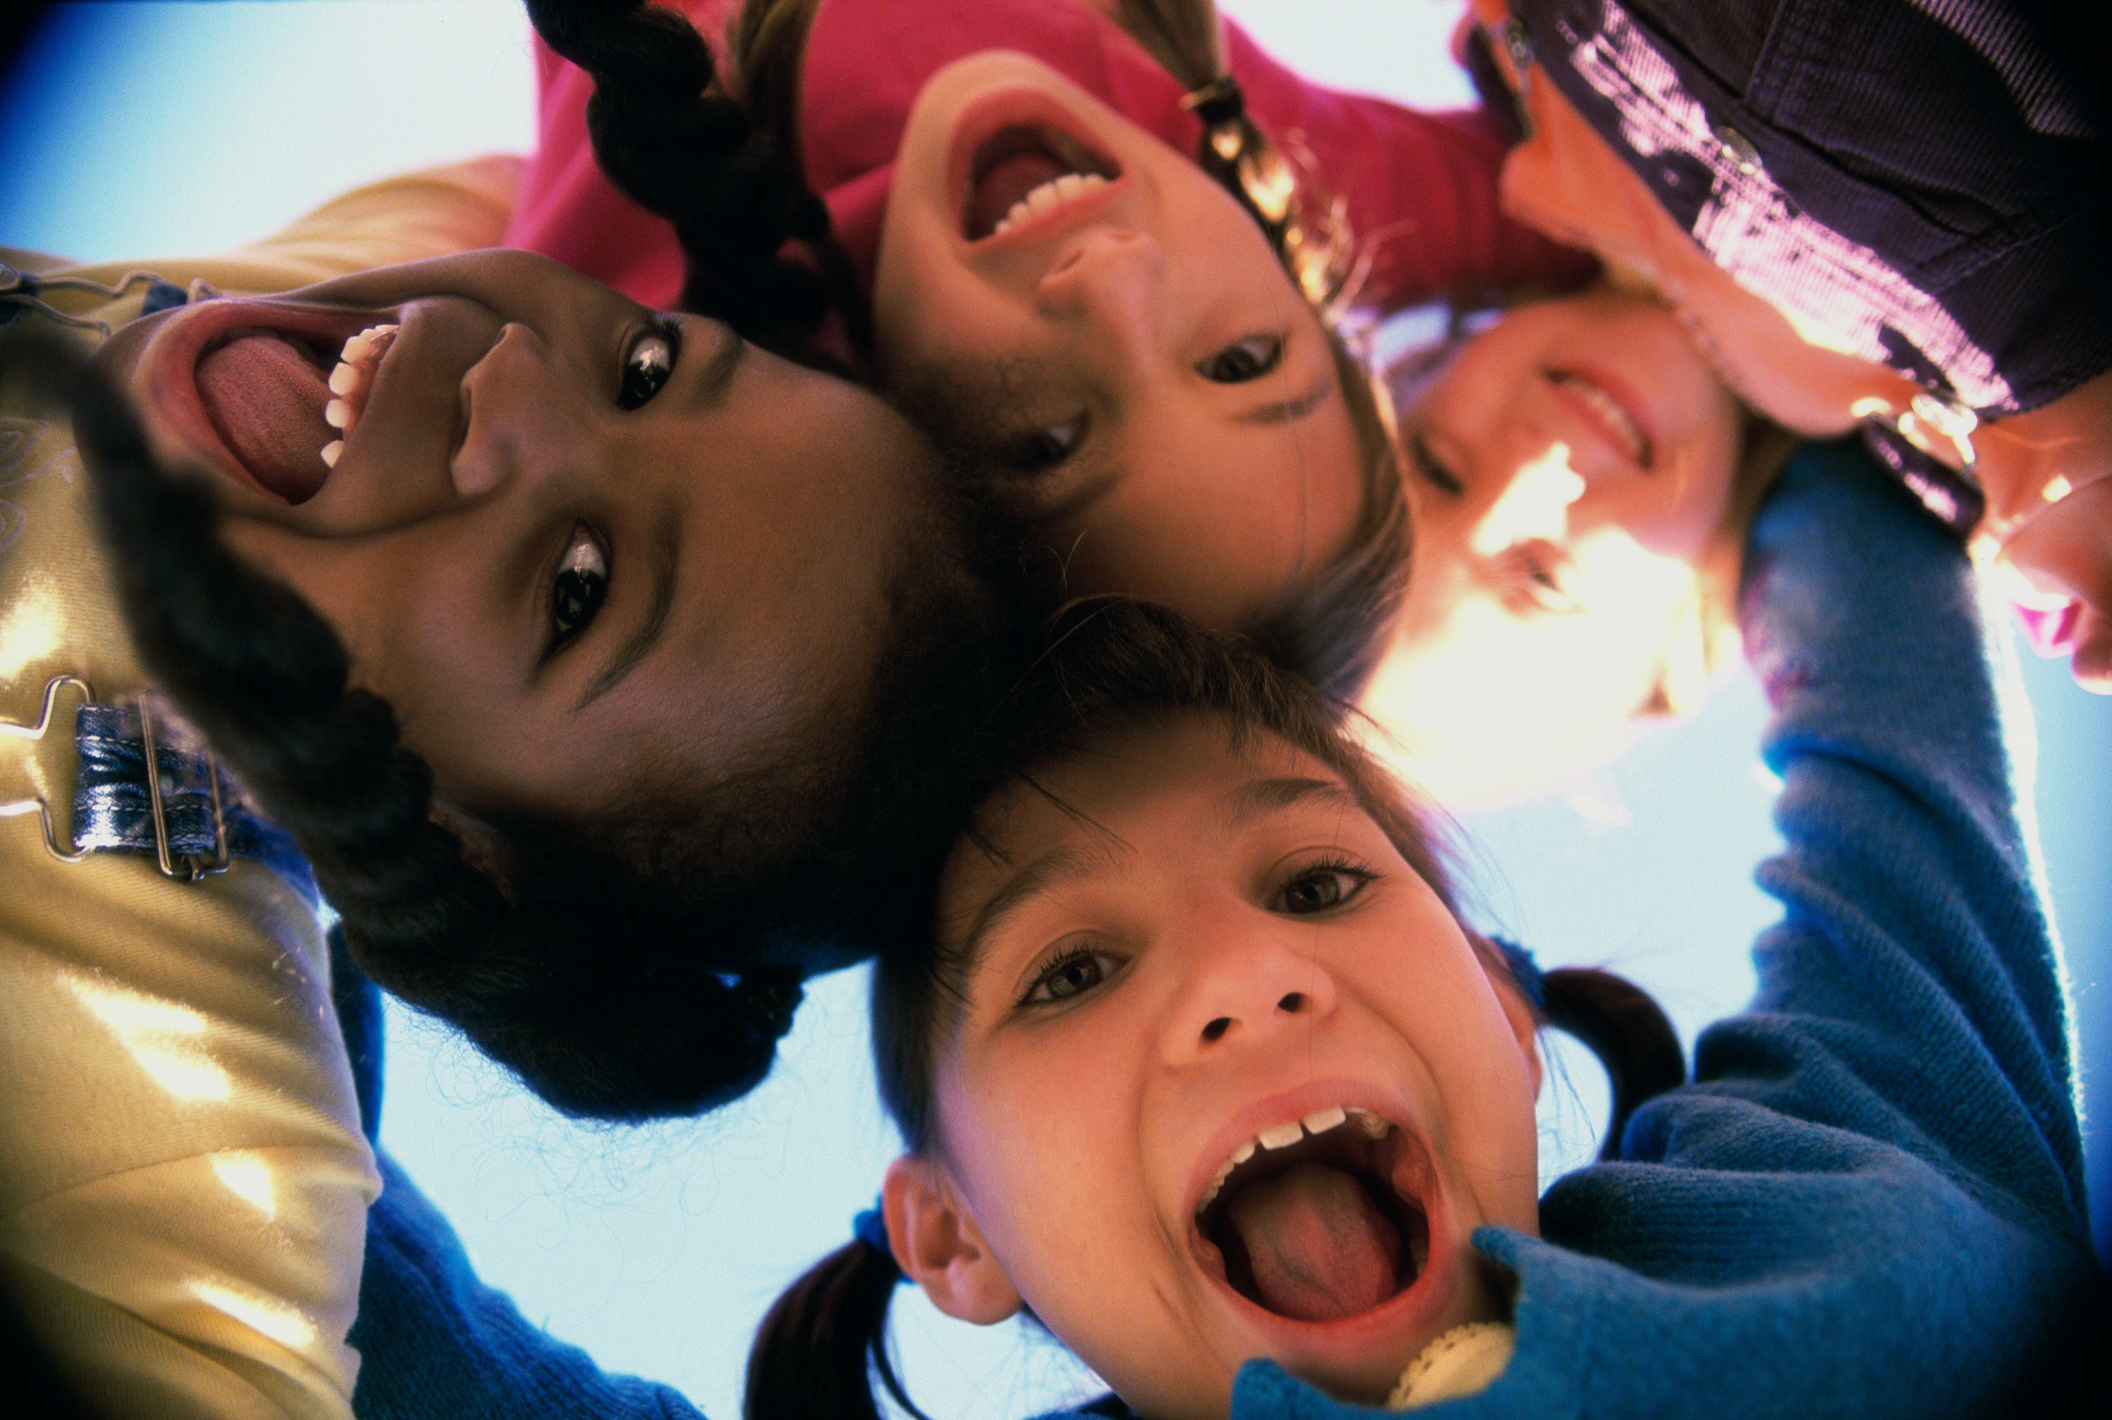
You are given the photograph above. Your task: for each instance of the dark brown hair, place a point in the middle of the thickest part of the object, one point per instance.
(637, 963)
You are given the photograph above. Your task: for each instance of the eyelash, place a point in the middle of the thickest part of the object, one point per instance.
(641, 379)
(1534, 567)
(1269, 360)
(1333, 865)
(1433, 470)
(1069, 956)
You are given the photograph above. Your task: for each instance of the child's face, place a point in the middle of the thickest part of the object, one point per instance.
(1568, 470)
(1189, 950)
(1132, 342)
(568, 565)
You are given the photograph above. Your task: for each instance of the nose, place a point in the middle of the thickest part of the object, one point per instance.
(517, 415)
(1534, 506)
(1112, 280)
(1249, 980)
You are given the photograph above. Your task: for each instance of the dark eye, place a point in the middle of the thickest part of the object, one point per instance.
(1045, 448)
(1073, 974)
(648, 363)
(581, 584)
(1245, 359)
(1321, 888)
(1538, 568)
(1431, 469)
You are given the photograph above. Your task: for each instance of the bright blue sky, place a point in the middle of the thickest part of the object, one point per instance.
(145, 129)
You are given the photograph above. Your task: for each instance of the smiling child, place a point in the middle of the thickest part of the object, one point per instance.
(1582, 481)
(1198, 1065)
(1118, 295)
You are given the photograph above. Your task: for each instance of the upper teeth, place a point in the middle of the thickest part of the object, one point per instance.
(1282, 1136)
(1041, 199)
(1609, 409)
(349, 381)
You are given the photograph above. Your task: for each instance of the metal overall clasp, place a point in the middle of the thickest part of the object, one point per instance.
(65, 853)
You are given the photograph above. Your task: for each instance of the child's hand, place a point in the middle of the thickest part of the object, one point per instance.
(2064, 554)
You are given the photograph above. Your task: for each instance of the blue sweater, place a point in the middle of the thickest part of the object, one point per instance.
(1870, 1202)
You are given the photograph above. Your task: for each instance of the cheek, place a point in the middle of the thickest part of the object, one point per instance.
(928, 302)
(1492, 1135)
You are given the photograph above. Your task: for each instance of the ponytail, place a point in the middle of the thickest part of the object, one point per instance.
(678, 145)
(1626, 1029)
(822, 1343)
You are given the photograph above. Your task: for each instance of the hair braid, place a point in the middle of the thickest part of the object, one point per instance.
(667, 135)
(592, 985)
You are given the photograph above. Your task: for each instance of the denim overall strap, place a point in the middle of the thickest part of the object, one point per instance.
(205, 823)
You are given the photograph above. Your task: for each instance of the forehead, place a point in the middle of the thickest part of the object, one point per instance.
(1142, 796)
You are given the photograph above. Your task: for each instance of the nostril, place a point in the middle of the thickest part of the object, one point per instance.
(1292, 1004)
(1217, 1028)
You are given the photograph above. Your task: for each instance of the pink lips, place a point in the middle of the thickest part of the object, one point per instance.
(1023, 107)
(1611, 387)
(1416, 1306)
(169, 376)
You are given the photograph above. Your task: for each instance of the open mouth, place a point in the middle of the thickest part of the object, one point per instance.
(1609, 411)
(284, 402)
(1320, 1219)
(1027, 171)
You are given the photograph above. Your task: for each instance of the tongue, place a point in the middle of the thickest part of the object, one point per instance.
(1319, 1247)
(1007, 181)
(266, 399)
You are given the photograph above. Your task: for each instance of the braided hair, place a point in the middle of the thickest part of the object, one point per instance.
(668, 135)
(1115, 663)
(640, 963)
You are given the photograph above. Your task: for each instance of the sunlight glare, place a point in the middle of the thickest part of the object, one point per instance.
(162, 1036)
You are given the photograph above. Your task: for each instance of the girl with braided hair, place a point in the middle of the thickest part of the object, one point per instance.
(1139, 343)
(600, 663)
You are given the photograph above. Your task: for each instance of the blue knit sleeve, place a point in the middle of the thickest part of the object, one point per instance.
(1870, 1200)
(1914, 972)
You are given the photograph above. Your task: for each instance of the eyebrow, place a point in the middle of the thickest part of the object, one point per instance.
(1257, 797)
(651, 627)
(1284, 411)
(717, 375)
(1068, 864)
(1045, 874)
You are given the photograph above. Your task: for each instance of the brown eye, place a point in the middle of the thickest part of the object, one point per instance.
(1248, 358)
(580, 587)
(648, 364)
(1045, 448)
(1072, 974)
(1321, 888)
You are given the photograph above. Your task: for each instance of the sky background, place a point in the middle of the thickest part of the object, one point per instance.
(140, 129)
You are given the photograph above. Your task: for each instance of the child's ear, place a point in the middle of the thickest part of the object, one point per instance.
(939, 1247)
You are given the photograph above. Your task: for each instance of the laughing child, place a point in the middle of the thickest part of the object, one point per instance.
(1207, 1076)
